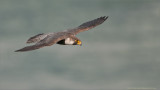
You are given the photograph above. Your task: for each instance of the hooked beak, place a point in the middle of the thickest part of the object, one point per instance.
(79, 43)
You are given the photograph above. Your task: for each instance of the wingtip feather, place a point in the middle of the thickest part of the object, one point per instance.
(104, 17)
(20, 50)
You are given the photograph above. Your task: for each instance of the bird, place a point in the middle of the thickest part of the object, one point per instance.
(66, 37)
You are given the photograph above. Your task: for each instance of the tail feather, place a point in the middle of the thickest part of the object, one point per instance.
(36, 38)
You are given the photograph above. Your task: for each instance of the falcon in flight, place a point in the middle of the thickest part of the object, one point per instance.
(66, 37)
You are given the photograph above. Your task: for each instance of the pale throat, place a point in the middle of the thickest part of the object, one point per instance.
(69, 41)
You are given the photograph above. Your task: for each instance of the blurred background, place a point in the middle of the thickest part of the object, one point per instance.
(122, 53)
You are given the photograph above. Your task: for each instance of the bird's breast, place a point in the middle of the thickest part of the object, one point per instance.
(69, 41)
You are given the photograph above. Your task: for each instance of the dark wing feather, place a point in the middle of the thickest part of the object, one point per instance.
(88, 25)
(29, 48)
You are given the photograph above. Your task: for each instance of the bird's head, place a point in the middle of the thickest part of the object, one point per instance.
(78, 42)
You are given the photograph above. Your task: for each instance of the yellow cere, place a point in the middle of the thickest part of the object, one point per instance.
(78, 42)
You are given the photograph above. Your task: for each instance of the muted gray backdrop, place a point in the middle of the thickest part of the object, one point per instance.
(122, 53)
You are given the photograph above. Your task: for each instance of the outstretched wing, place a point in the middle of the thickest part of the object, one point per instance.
(47, 41)
(88, 25)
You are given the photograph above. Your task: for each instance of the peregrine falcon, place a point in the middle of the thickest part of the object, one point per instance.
(66, 37)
